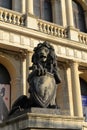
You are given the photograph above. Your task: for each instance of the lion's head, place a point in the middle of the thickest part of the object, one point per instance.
(44, 60)
(44, 52)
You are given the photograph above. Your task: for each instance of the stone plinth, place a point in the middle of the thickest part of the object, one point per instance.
(41, 119)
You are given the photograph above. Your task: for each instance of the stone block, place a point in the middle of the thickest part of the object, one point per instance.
(39, 118)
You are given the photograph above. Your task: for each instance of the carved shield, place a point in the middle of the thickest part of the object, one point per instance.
(43, 89)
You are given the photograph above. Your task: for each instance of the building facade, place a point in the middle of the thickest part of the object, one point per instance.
(63, 23)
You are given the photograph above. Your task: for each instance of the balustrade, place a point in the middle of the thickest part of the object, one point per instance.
(82, 38)
(52, 29)
(11, 16)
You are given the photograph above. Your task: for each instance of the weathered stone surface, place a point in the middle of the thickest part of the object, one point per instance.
(43, 80)
(45, 111)
(45, 77)
(34, 120)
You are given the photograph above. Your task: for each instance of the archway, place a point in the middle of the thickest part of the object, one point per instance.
(7, 83)
(83, 87)
(4, 92)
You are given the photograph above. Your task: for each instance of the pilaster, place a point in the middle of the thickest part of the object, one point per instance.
(77, 102)
(23, 72)
(28, 64)
(24, 76)
(69, 85)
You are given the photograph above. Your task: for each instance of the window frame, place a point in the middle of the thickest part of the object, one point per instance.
(41, 10)
(78, 12)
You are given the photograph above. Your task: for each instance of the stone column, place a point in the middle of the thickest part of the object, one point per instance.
(76, 90)
(29, 6)
(69, 10)
(14, 89)
(69, 85)
(24, 76)
(63, 8)
(23, 6)
(18, 86)
(31, 21)
(28, 64)
(72, 31)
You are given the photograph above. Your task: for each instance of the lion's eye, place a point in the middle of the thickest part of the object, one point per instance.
(46, 50)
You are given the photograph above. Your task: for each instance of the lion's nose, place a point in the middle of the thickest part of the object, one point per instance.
(42, 53)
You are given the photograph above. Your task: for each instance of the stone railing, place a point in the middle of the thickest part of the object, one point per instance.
(11, 16)
(82, 37)
(52, 29)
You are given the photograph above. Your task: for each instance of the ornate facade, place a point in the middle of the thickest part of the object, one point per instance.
(63, 23)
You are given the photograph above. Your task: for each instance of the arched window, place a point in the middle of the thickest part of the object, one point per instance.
(79, 18)
(4, 92)
(6, 4)
(83, 85)
(43, 9)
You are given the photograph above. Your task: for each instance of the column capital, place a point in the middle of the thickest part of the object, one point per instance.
(74, 63)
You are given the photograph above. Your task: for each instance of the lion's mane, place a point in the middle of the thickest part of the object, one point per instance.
(51, 62)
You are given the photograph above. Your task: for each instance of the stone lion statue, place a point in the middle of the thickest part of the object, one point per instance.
(44, 61)
(42, 79)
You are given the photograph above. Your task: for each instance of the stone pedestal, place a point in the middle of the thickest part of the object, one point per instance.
(31, 21)
(73, 33)
(39, 118)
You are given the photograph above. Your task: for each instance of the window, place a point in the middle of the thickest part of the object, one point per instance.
(4, 92)
(83, 85)
(43, 9)
(79, 18)
(6, 4)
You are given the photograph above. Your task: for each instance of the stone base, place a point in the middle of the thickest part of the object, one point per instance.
(36, 111)
(41, 118)
(44, 111)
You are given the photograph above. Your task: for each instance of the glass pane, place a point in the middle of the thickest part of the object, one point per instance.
(4, 75)
(4, 92)
(43, 9)
(47, 10)
(83, 85)
(36, 7)
(6, 3)
(79, 19)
